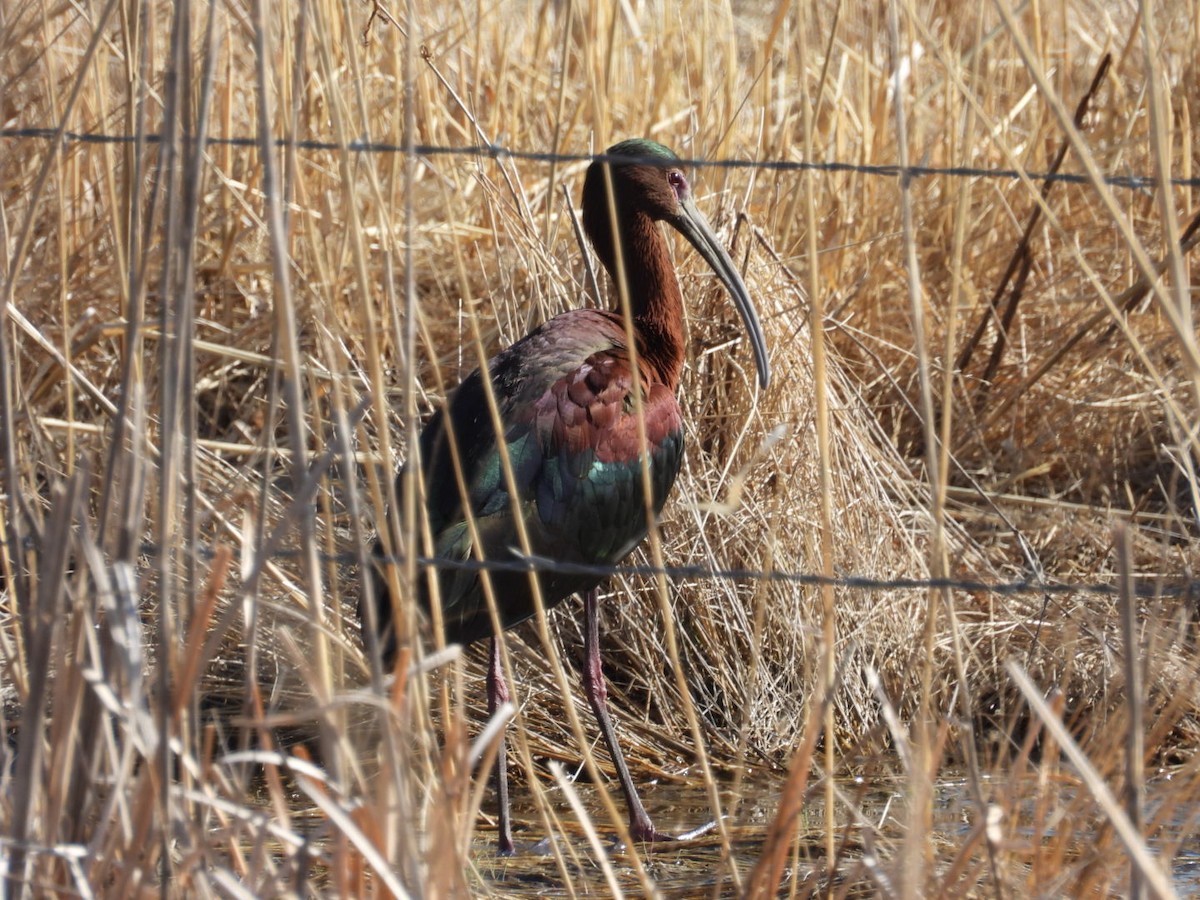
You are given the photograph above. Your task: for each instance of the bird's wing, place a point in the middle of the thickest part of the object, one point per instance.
(565, 398)
(589, 489)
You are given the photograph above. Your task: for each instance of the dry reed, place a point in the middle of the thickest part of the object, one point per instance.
(213, 358)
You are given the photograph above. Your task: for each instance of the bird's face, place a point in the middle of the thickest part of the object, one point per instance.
(657, 190)
(643, 175)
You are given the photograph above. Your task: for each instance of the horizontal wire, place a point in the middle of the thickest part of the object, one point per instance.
(499, 151)
(1178, 587)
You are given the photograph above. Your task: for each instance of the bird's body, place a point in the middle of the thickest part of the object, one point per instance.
(568, 396)
(564, 394)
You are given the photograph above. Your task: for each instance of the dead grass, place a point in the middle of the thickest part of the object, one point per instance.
(212, 368)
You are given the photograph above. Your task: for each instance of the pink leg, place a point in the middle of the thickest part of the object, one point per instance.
(497, 695)
(640, 826)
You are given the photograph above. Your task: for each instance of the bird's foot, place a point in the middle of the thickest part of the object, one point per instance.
(510, 848)
(646, 833)
(698, 832)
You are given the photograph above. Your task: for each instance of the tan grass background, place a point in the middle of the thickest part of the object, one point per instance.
(182, 329)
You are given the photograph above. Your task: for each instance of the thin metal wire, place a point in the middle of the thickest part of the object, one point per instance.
(1177, 586)
(499, 151)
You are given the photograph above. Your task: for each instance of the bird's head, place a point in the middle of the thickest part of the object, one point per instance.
(641, 177)
(645, 176)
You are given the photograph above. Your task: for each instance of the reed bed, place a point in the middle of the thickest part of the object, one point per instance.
(222, 330)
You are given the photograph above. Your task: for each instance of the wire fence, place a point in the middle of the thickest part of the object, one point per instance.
(1145, 586)
(497, 151)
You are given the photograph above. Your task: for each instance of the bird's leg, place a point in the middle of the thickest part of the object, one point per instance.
(640, 826)
(498, 695)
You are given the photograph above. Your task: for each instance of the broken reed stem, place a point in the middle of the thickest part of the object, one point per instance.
(1140, 856)
(816, 324)
(1126, 301)
(766, 878)
(918, 851)
(1022, 257)
(1135, 776)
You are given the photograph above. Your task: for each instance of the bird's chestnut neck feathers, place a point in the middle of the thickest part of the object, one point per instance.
(642, 194)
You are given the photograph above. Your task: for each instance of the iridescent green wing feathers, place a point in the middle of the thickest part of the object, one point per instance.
(573, 444)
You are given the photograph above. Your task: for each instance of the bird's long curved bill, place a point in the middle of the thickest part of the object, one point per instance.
(692, 225)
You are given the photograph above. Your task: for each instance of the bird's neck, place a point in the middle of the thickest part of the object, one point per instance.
(655, 300)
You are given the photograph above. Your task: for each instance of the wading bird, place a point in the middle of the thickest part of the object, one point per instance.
(565, 395)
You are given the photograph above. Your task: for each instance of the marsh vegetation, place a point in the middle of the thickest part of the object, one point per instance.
(255, 245)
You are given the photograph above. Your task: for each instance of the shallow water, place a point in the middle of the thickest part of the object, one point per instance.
(701, 867)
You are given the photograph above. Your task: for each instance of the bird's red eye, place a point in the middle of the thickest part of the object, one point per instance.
(678, 182)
